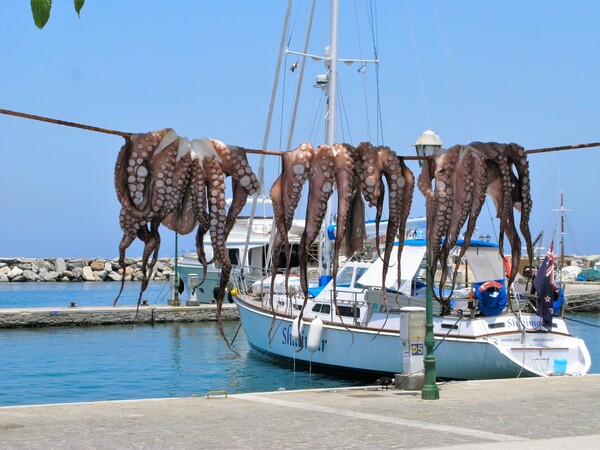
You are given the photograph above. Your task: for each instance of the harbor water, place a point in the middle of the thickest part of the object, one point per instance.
(78, 364)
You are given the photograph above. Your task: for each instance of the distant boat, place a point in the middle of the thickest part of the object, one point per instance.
(581, 288)
(191, 272)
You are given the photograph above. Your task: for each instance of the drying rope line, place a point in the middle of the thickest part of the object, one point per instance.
(250, 150)
(64, 122)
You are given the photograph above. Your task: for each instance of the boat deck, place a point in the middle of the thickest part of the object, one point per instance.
(502, 414)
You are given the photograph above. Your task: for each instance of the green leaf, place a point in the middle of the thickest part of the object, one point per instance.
(41, 12)
(78, 6)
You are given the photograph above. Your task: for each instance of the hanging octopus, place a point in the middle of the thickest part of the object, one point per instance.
(142, 195)
(163, 178)
(321, 186)
(401, 183)
(285, 195)
(463, 175)
(509, 190)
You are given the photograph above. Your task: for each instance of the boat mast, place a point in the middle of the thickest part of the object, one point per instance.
(562, 230)
(324, 269)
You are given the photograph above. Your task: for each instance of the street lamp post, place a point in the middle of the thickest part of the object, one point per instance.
(428, 144)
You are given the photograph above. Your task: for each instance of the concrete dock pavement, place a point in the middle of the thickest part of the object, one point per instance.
(555, 412)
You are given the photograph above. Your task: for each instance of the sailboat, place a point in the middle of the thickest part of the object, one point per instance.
(478, 339)
(581, 288)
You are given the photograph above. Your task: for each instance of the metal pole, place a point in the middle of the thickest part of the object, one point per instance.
(430, 390)
(330, 137)
(176, 301)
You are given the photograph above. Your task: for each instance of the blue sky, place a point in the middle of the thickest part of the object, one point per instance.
(506, 71)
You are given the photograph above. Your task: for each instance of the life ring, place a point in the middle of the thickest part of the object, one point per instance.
(490, 286)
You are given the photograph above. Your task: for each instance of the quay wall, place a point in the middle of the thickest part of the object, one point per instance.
(78, 269)
(106, 315)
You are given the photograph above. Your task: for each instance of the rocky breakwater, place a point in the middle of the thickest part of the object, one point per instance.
(78, 269)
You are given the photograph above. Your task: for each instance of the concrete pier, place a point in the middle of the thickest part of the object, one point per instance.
(108, 315)
(535, 413)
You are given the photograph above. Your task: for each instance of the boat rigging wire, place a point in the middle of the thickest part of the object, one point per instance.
(460, 316)
(418, 63)
(300, 78)
(451, 69)
(261, 171)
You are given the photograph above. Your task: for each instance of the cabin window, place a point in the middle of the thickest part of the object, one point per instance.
(234, 256)
(449, 326)
(496, 325)
(256, 257)
(322, 308)
(345, 277)
(348, 311)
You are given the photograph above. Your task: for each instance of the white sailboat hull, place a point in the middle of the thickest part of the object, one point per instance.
(463, 354)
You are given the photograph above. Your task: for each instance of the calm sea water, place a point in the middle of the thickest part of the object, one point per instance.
(35, 295)
(75, 364)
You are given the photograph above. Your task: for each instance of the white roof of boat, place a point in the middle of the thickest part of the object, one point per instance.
(411, 260)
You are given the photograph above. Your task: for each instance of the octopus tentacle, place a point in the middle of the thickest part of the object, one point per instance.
(146, 157)
(518, 157)
(355, 232)
(285, 195)
(343, 171)
(463, 184)
(234, 163)
(370, 174)
(393, 171)
(217, 214)
(179, 215)
(444, 200)
(321, 185)
(480, 184)
(133, 172)
(409, 188)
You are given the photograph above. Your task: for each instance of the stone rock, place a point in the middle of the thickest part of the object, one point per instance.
(18, 279)
(88, 274)
(4, 270)
(59, 265)
(3, 278)
(43, 264)
(75, 263)
(78, 273)
(25, 265)
(108, 266)
(97, 265)
(30, 275)
(68, 274)
(8, 261)
(114, 276)
(50, 275)
(15, 272)
(101, 275)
